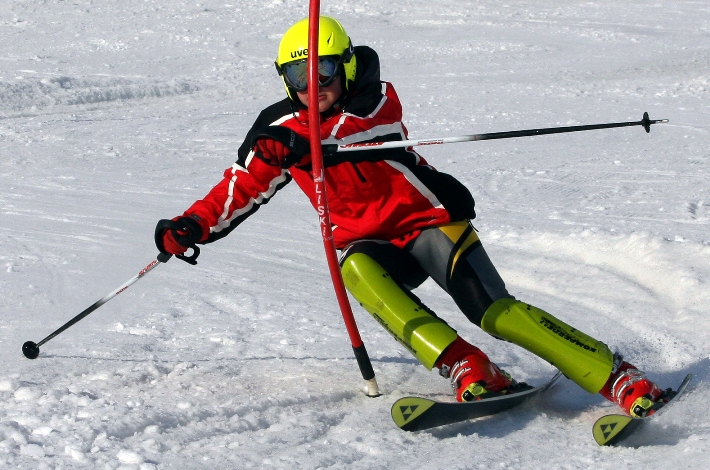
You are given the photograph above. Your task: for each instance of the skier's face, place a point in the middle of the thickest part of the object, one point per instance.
(327, 95)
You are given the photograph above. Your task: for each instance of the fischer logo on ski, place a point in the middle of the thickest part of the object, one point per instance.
(607, 429)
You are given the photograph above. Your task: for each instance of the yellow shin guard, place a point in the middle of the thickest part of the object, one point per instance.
(422, 334)
(581, 358)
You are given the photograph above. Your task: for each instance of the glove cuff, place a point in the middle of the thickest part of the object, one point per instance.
(196, 227)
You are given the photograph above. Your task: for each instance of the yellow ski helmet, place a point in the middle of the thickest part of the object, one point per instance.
(333, 42)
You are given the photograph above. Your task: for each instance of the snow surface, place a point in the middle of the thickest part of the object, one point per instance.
(116, 114)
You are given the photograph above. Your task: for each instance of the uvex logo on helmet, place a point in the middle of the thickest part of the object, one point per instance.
(299, 53)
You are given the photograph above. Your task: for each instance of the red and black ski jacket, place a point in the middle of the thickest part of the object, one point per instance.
(372, 194)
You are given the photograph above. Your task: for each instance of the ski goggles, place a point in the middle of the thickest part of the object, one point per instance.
(295, 74)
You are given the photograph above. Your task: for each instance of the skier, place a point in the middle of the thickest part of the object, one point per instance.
(397, 221)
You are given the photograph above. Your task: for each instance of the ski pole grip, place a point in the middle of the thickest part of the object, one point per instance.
(185, 240)
(192, 259)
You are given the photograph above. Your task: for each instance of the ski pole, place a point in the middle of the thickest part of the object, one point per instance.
(361, 355)
(31, 349)
(331, 149)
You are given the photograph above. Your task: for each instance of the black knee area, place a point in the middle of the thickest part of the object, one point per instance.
(468, 292)
(398, 263)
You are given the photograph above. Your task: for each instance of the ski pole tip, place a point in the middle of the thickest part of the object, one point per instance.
(372, 390)
(646, 122)
(30, 350)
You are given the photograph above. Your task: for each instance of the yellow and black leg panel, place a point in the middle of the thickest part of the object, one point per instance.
(581, 358)
(423, 334)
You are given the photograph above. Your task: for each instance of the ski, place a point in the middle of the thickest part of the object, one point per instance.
(610, 430)
(416, 413)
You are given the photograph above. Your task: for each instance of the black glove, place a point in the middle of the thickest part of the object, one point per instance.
(174, 237)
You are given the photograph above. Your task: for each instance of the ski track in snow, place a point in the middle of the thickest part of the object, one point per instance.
(113, 116)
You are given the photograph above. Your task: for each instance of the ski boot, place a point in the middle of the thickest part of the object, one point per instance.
(629, 388)
(473, 376)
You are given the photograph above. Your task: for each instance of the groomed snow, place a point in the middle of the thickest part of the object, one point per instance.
(114, 115)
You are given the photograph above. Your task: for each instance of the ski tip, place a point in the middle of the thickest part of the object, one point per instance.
(684, 384)
(554, 378)
(546, 386)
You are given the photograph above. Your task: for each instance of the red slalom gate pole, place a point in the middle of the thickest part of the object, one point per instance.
(361, 355)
